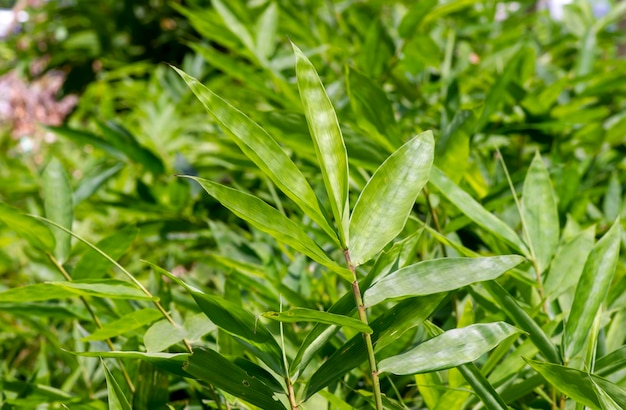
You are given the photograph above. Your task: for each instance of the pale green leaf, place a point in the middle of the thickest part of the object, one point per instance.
(57, 198)
(591, 291)
(126, 323)
(438, 275)
(568, 263)
(263, 150)
(269, 220)
(384, 206)
(328, 141)
(474, 211)
(266, 30)
(310, 315)
(451, 349)
(539, 212)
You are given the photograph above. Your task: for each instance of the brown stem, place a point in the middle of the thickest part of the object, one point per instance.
(368, 338)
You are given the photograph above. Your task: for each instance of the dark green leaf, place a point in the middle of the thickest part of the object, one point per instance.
(309, 315)
(117, 400)
(213, 368)
(92, 265)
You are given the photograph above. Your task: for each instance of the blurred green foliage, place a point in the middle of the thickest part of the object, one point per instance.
(491, 79)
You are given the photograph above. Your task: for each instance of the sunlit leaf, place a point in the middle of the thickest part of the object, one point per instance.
(126, 323)
(385, 203)
(328, 141)
(591, 290)
(438, 275)
(452, 348)
(540, 212)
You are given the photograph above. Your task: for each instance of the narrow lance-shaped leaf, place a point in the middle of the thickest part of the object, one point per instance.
(384, 206)
(117, 400)
(57, 196)
(540, 213)
(37, 234)
(591, 290)
(269, 220)
(474, 211)
(328, 141)
(263, 150)
(310, 315)
(452, 348)
(438, 275)
(109, 288)
(213, 368)
(579, 385)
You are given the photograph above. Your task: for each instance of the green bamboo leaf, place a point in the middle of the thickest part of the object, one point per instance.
(153, 390)
(263, 150)
(34, 232)
(164, 334)
(388, 328)
(611, 363)
(540, 213)
(172, 362)
(310, 315)
(438, 275)
(328, 141)
(92, 265)
(384, 206)
(269, 220)
(591, 290)
(568, 263)
(474, 211)
(451, 349)
(579, 385)
(215, 369)
(117, 400)
(126, 323)
(110, 288)
(235, 25)
(512, 309)
(481, 386)
(605, 400)
(57, 197)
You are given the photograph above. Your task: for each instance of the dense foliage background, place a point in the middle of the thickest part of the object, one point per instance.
(501, 84)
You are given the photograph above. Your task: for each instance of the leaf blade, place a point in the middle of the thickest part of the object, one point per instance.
(540, 212)
(58, 204)
(591, 290)
(451, 349)
(310, 315)
(385, 203)
(438, 275)
(327, 139)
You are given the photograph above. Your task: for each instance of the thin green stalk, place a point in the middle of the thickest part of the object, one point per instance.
(122, 269)
(290, 392)
(95, 319)
(368, 339)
